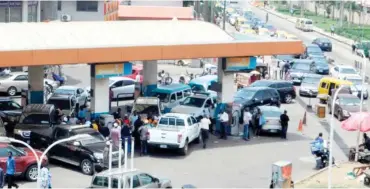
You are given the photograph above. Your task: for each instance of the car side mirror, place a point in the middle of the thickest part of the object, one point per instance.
(76, 143)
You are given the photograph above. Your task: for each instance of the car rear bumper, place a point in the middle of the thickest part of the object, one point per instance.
(306, 93)
(164, 145)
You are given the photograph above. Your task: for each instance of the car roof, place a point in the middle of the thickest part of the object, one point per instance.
(313, 75)
(255, 88)
(38, 108)
(121, 78)
(353, 77)
(312, 46)
(177, 115)
(323, 39)
(333, 79)
(116, 172)
(171, 88)
(204, 79)
(68, 87)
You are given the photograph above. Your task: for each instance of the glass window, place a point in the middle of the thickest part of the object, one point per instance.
(128, 82)
(136, 182)
(195, 102)
(189, 121)
(59, 5)
(180, 122)
(15, 14)
(187, 93)
(259, 95)
(61, 133)
(21, 78)
(208, 103)
(9, 105)
(173, 98)
(348, 71)
(145, 179)
(245, 93)
(88, 6)
(193, 120)
(171, 121)
(163, 121)
(100, 181)
(323, 85)
(35, 119)
(117, 84)
(179, 95)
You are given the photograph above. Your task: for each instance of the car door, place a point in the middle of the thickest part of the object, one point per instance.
(136, 183)
(118, 89)
(62, 151)
(259, 98)
(189, 129)
(128, 87)
(20, 82)
(196, 127)
(3, 157)
(147, 181)
(337, 108)
(267, 97)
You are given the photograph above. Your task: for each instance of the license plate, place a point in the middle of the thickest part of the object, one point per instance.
(163, 146)
(273, 131)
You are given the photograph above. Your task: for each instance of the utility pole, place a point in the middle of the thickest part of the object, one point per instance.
(224, 16)
(341, 13)
(302, 9)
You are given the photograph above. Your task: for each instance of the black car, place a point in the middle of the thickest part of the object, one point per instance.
(10, 112)
(285, 89)
(312, 49)
(87, 151)
(299, 69)
(321, 65)
(324, 44)
(256, 96)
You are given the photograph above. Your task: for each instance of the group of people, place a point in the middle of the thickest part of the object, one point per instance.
(253, 123)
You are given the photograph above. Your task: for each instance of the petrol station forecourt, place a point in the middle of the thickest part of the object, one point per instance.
(195, 43)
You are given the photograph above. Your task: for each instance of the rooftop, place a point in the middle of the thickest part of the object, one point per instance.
(154, 13)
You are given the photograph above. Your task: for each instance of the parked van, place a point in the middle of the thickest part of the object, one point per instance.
(326, 86)
(203, 83)
(304, 24)
(171, 95)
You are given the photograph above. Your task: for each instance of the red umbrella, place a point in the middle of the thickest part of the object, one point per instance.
(357, 120)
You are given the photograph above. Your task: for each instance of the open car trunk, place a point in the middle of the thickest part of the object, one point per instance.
(147, 105)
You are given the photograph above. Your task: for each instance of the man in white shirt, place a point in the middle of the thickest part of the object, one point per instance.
(138, 77)
(204, 125)
(247, 120)
(224, 119)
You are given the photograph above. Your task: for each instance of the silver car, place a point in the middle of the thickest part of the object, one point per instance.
(309, 85)
(272, 115)
(140, 180)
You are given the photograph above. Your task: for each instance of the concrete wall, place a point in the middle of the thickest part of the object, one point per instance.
(171, 3)
(310, 6)
(70, 8)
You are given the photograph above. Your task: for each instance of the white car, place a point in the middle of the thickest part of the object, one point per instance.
(175, 131)
(342, 71)
(195, 105)
(122, 87)
(81, 94)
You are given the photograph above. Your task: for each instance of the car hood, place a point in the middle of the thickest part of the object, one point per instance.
(96, 147)
(29, 152)
(187, 110)
(352, 109)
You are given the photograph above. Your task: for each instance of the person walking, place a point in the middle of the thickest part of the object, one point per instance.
(353, 48)
(262, 121)
(204, 129)
(72, 120)
(332, 29)
(284, 119)
(224, 119)
(10, 170)
(82, 114)
(256, 122)
(212, 114)
(143, 131)
(115, 134)
(247, 119)
(267, 17)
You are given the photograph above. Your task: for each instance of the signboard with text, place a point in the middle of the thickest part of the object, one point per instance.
(112, 70)
(240, 64)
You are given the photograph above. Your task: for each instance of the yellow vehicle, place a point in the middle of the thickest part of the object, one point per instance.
(239, 22)
(326, 85)
(292, 37)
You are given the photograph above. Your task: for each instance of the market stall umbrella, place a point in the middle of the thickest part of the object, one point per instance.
(254, 72)
(360, 120)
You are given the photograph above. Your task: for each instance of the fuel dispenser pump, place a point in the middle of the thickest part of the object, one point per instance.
(281, 174)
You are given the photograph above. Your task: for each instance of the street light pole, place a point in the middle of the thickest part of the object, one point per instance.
(362, 101)
(331, 136)
(224, 16)
(47, 150)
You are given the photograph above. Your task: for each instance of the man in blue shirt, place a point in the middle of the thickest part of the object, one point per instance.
(10, 171)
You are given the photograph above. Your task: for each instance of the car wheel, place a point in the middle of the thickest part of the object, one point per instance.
(87, 167)
(184, 150)
(288, 98)
(12, 91)
(31, 173)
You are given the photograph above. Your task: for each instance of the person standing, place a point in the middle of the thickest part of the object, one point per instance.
(117, 114)
(82, 113)
(212, 114)
(247, 119)
(133, 118)
(143, 131)
(257, 122)
(115, 134)
(267, 17)
(332, 29)
(204, 129)
(284, 119)
(126, 134)
(224, 119)
(10, 170)
(44, 177)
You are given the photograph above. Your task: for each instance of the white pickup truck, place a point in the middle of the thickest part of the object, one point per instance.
(175, 131)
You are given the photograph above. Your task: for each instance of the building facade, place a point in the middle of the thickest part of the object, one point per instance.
(18, 11)
(170, 3)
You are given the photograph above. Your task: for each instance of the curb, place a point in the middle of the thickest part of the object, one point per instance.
(317, 173)
(315, 30)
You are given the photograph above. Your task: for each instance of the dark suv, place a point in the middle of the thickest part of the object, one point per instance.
(256, 96)
(10, 111)
(285, 89)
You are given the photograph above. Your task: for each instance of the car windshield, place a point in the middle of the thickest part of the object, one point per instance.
(37, 119)
(271, 113)
(350, 101)
(171, 122)
(195, 102)
(197, 88)
(301, 66)
(163, 97)
(355, 81)
(9, 105)
(348, 71)
(91, 138)
(63, 104)
(311, 80)
(245, 94)
(324, 40)
(308, 22)
(314, 50)
(65, 91)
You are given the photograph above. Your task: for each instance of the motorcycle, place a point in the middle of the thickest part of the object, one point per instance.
(321, 155)
(164, 79)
